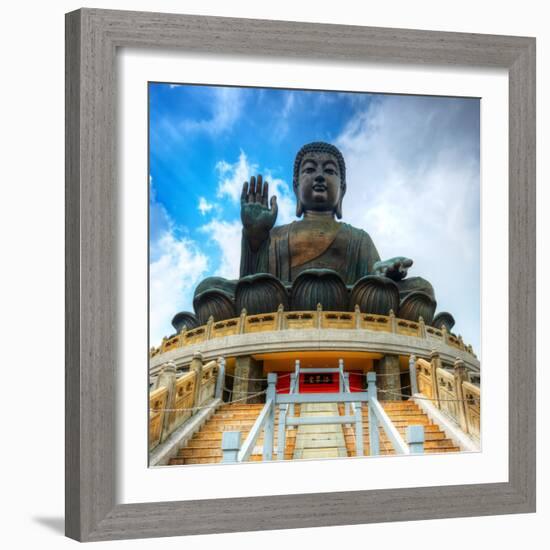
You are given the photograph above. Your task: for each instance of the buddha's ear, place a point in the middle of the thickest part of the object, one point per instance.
(338, 209)
(299, 205)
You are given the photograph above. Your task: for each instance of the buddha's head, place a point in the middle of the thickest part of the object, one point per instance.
(319, 179)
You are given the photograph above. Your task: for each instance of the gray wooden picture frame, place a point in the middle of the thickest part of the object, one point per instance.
(92, 39)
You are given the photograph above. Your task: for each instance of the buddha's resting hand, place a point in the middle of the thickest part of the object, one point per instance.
(394, 268)
(257, 216)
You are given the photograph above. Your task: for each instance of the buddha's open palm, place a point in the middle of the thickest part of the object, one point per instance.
(257, 216)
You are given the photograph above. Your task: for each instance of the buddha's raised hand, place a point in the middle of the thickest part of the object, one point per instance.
(257, 216)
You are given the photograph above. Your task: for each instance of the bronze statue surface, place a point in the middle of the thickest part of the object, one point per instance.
(314, 257)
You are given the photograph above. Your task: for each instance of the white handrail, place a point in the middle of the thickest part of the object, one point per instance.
(391, 431)
(250, 441)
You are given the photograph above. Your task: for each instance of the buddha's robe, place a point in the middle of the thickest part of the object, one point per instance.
(326, 244)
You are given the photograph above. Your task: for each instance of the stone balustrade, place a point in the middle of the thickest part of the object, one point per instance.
(450, 391)
(174, 399)
(300, 320)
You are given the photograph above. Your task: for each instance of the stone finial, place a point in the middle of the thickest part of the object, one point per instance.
(169, 366)
(281, 308)
(319, 307)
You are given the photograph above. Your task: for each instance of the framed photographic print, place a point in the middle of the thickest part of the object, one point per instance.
(286, 245)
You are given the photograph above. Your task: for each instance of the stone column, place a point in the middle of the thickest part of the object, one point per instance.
(388, 378)
(246, 368)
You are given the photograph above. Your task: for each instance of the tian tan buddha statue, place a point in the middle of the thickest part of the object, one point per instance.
(314, 260)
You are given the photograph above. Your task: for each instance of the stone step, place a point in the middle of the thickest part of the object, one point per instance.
(216, 444)
(217, 436)
(389, 452)
(430, 436)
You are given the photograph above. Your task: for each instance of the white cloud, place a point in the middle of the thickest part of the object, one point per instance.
(227, 236)
(226, 104)
(173, 277)
(176, 266)
(204, 206)
(413, 184)
(232, 176)
(282, 124)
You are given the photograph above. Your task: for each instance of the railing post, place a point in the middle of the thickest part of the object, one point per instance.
(412, 375)
(167, 379)
(415, 439)
(231, 443)
(209, 327)
(460, 376)
(242, 321)
(347, 386)
(220, 382)
(341, 375)
(359, 446)
(357, 312)
(393, 322)
(435, 363)
(319, 316)
(280, 317)
(292, 383)
(281, 439)
(374, 435)
(421, 328)
(297, 371)
(270, 422)
(196, 367)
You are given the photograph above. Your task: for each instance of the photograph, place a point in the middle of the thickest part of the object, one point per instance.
(314, 274)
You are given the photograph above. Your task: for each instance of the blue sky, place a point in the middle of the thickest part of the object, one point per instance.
(412, 173)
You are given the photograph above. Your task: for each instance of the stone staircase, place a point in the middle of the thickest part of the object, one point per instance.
(402, 414)
(205, 446)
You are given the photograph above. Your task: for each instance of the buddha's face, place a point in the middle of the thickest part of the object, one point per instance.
(319, 182)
